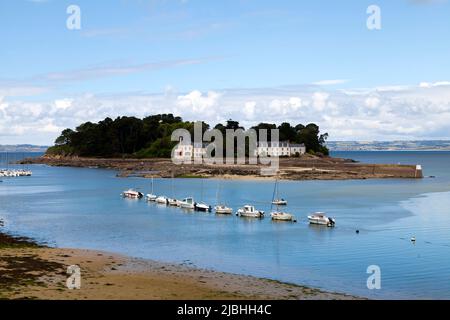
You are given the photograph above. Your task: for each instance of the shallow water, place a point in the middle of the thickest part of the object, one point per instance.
(78, 207)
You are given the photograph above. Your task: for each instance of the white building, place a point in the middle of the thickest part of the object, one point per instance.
(188, 151)
(183, 150)
(200, 149)
(280, 149)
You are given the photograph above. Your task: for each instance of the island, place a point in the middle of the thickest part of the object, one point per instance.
(143, 147)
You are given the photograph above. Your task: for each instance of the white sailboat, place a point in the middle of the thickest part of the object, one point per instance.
(278, 215)
(151, 196)
(172, 201)
(221, 208)
(202, 206)
(278, 201)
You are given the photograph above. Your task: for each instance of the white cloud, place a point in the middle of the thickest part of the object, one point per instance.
(372, 102)
(415, 112)
(249, 109)
(319, 100)
(434, 84)
(196, 102)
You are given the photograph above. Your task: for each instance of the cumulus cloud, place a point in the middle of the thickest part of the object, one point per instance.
(402, 112)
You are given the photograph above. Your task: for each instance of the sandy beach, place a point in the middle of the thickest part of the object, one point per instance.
(30, 271)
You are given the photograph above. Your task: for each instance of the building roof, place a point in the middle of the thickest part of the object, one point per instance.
(280, 144)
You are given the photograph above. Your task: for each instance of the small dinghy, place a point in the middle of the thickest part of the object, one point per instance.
(321, 219)
(250, 212)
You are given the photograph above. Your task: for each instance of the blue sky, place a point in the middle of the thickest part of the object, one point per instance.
(211, 59)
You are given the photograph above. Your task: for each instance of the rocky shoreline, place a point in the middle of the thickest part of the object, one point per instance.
(306, 167)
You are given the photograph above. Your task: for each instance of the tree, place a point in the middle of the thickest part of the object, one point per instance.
(151, 136)
(65, 137)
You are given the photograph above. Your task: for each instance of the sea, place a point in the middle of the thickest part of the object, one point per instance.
(376, 221)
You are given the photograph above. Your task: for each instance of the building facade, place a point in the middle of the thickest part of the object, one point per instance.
(188, 151)
(280, 149)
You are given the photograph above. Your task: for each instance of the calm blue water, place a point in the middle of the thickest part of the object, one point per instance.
(77, 207)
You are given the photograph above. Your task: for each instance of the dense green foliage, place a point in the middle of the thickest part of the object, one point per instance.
(151, 136)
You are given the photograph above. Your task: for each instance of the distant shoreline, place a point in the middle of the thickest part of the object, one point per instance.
(34, 271)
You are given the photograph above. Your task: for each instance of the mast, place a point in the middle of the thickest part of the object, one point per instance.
(273, 195)
(152, 185)
(217, 192)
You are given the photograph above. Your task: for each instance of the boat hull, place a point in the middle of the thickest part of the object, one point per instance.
(282, 216)
(161, 200)
(322, 221)
(202, 208)
(280, 203)
(223, 210)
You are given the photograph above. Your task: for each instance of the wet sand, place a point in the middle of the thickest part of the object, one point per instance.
(29, 271)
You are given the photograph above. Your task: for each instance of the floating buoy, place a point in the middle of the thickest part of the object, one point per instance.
(413, 239)
(357, 231)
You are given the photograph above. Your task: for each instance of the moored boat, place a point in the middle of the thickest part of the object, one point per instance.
(151, 197)
(187, 203)
(172, 202)
(201, 206)
(249, 212)
(321, 219)
(222, 209)
(282, 216)
(132, 194)
(279, 202)
(161, 200)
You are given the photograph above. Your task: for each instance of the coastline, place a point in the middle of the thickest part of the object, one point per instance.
(32, 271)
(306, 167)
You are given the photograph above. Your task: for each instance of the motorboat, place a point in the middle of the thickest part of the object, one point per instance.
(201, 206)
(249, 212)
(222, 209)
(187, 203)
(161, 200)
(132, 194)
(321, 219)
(282, 216)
